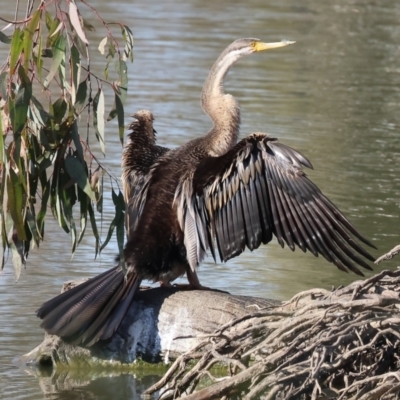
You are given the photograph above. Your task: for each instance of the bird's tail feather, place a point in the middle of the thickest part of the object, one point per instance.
(91, 311)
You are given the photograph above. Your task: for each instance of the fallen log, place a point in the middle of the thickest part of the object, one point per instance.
(339, 344)
(161, 324)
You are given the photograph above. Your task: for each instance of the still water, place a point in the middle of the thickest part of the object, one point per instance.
(334, 95)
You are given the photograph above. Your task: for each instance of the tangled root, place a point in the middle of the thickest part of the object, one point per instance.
(340, 344)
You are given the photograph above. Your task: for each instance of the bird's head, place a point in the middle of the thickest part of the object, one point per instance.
(247, 46)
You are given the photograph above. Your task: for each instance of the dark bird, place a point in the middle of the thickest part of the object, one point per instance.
(139, 155)
(211, 191)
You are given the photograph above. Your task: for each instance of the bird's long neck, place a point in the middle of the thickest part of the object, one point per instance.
(222, 108)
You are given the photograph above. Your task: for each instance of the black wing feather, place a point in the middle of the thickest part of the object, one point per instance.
(257, 190)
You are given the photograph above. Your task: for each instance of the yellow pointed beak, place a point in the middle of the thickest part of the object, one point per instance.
(260, 46)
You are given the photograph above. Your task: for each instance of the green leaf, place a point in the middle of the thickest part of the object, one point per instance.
(76, 140)
(87, 25)
(3, 241)
(59, 110)
(96, 183)
(47, 53)
(118, 110)
(2, 157)
(79, 44)
(94, 228)
(43, 206)
(3, 85)
(54, 32)
(31, 222)
(78, 174)
(128, 37)
(38, 113)
(58, 57)
(123, 76)
(16, 49)
(81, 95)
(111, 52)
(121, 232)
(102, 45)
(28, 37)
(18, 109)
(75, 71)
(68, 199)
(119, 215)
(75, 22)
(17, 258)
(83, 201)
(4, 38)
(98, 118)
(16, 202)
(49, 20)
(15, 244)
(38, 58)
(59, 212)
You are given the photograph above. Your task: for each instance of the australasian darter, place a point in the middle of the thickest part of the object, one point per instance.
(212, 190)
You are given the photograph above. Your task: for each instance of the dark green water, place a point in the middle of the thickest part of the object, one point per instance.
(334, 95)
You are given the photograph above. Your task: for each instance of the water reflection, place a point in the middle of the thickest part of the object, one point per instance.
(334, 96)
(101, 385)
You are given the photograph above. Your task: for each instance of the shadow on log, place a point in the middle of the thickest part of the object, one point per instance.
(340, 344)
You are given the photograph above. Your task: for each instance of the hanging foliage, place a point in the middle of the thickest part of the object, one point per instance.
(46, 88)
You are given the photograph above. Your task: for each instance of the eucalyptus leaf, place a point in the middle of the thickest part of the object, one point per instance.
(31, 222)
(121, 118)
(118, 216)
(16, 48)
(59, 50)
(121, 231)
(102, 46)
(29, 31)
(98, 118)
(75, 71)
(81, 95)
(3, 158)
(128, 37)
(3, 242)
(49, 20)
(77, 141)
(87, 25)
(3, 85)
(4, 38)
(94, 228)
(16, 203)
(59, 110)
(75, 21)
(123, 76)
(37, 57)
(17, 259)
(43, 206)
(83, 202)
(78, 173)
(39, 114)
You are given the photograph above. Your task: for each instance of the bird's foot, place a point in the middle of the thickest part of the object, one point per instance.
(184, 286)
(165, 284)
(191, 286)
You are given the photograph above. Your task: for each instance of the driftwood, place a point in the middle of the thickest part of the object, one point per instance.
(343, 344)
(340, 344)
(161, 324)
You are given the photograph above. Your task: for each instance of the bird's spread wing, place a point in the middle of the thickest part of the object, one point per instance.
(257, 190)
